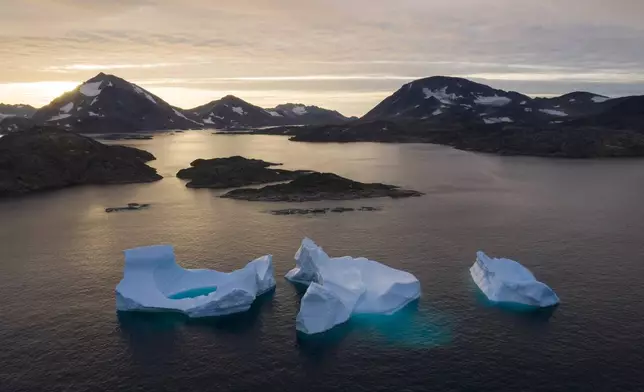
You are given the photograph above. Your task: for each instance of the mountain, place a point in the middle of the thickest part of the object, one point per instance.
(620, 113)
(446, 96)
(24, 111)
(575, 104)
(298, 114)
(106, 103)
(442, 99)
(231, 112)
(45, 158)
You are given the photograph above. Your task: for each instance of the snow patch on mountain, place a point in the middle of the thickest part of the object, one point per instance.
(299, 110)
(553, 112)
(208, 120)
(178, 113)
(239, 110)
(60, 117)
(274, 113)
(437, 112)
(66, 108)
(441, 95)
(494, 100)
(142, 92)
(91, 89)
(599, 99)
(497, 120)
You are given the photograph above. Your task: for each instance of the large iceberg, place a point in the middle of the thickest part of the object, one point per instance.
(152, 281)
(342, 286)
(506, 281)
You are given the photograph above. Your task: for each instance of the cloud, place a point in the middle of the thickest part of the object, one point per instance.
(108, 67)
(550, 44)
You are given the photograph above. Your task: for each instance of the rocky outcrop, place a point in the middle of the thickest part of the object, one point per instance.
(233, 172)
(44, 158)
(320, 186)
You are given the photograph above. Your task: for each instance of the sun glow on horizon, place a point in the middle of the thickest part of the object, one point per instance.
(34, 93)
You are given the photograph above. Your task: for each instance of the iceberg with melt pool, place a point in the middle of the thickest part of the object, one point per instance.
(507, 281)
(341, 286)
(153, 281)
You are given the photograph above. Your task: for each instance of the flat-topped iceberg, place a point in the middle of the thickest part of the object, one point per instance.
(342, 286)
(152, 281)
(506, 281)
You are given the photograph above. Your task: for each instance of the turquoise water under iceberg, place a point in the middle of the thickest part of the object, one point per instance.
(192, 293)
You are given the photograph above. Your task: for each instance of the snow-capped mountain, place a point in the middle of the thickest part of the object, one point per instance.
(107, 104)
(439, 95)
(307, 115)
(231, 112)
(24, 111)
(447, 99)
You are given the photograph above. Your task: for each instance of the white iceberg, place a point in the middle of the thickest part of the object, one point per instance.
(506, 281)
(342, 286)
(152, 281)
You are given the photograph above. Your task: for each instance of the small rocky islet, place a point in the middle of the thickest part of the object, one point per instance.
(234, 172)
(46, 158)
(320, 186)
(302, 185)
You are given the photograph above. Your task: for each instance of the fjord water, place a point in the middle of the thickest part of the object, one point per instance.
(576, 224)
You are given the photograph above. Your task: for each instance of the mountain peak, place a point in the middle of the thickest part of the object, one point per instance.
(107, 103)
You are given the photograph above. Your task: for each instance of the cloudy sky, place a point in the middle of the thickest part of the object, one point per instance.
(342, 54)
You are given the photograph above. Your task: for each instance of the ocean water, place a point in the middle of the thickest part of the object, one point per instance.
(578, 225)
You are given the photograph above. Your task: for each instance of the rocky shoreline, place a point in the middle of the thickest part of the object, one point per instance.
(47, 158)
(322, 210)
(320, 186)
(570, 140)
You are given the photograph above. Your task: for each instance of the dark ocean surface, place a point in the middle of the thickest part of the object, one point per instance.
(578, 225)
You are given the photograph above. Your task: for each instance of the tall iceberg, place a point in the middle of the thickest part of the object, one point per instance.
(507, 281)
(152, 281)
(341, 286)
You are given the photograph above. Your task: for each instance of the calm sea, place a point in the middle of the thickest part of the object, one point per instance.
(578, 225)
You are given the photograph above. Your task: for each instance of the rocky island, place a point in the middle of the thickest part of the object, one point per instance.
(320, 186)
(45, 158)
(234, 172)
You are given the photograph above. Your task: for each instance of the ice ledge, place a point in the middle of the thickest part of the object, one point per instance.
(151, 278)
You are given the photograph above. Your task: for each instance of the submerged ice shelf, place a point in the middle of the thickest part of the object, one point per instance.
(152, 281)
(507, 281)
(342, 286)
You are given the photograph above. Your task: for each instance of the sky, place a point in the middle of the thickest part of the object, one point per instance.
(341, 54)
